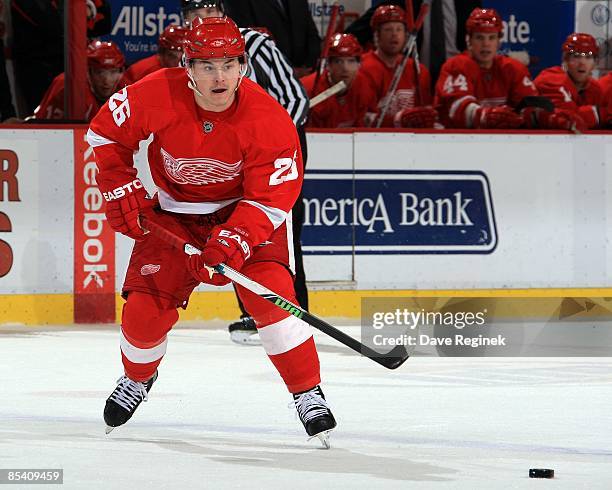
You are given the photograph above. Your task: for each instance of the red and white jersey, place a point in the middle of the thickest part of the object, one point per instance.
(605, 83)
(463, 86)
(345, 110)
(556, 84)
(141, 69)
(52, 104)
(380, 77)
(202, 161)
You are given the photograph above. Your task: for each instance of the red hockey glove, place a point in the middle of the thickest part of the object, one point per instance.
(564, 120)
(500, 117)
(226, 245)
(123, 205)
(418, 117)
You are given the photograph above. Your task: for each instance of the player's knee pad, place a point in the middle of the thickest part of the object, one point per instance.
(274, 276)
(146, 319)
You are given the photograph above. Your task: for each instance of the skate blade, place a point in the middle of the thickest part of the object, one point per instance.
(245, 338)
(108, 429)
(323, 437)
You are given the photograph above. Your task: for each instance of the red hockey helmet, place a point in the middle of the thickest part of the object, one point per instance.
(103, 54)
(344, 45)
(387, 13)
(213, 37)
(484, 20)
(580, 43)
(172, 38)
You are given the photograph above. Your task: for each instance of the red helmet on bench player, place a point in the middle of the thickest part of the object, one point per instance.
(106, 63)
(344, 54)
(484, 32)
(170, 45)
(580, 53)
(389, 27)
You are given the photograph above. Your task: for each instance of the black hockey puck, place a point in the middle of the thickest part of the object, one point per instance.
(541, 473)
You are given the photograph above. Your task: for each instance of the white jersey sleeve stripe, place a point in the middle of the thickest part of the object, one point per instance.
(470, 112)
(596, 114)
(455, 105)
(95, 140)
(276, 216)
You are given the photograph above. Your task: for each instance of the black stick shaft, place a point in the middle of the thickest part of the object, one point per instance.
(392, 360)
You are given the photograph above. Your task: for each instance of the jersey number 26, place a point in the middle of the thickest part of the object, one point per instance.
(119, 106)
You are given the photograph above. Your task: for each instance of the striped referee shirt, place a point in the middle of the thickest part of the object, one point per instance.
(269, 68)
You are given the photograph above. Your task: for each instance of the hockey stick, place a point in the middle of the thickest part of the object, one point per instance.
(331, 27)
(415, 51)
(406, 52)
(392, 360)
(327, 93)
(409, 14)
(417, 73)
(541, 103)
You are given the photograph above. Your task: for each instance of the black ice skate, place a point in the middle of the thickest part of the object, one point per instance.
(244, 332)
(124, 400)
(315, 414)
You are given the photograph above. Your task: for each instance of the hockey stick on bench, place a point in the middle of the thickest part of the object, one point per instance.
(326, 94)
(391, 360)
(406, 53)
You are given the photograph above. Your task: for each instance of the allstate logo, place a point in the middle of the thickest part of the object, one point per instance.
(600, 15)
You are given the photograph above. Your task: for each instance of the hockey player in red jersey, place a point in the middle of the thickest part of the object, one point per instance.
(349, 107)
(606, 85)
(105, 63)
(169, 53)
(482, 89)
(225, 182)
(410, 106)
(268, 67)
(572, 86)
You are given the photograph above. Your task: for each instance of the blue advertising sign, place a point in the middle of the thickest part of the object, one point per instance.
(137, 25)
(398, 212)
(535, 30)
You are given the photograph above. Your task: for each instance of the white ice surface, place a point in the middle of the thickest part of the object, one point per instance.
(217, 418)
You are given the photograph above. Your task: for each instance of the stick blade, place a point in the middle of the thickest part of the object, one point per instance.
(394, 359)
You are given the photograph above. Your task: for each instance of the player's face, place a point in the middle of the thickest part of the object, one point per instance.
(580, 67)
(169, 58)
(391, 37)
(203, 13)
(217, 80)
(483, 47)
(104, 81)
(343, 69)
